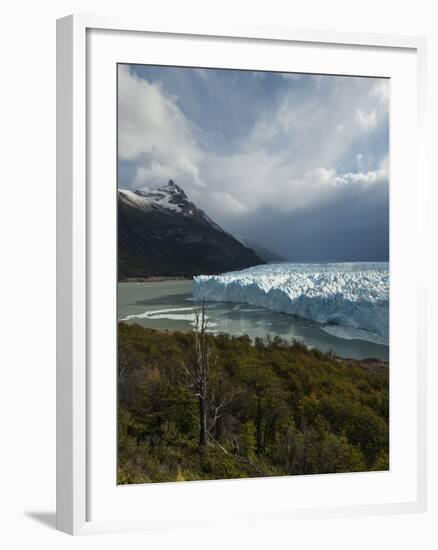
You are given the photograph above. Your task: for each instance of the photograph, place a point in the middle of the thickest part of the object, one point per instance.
(253, 274)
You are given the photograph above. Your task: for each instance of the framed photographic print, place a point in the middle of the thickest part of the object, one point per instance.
(240, 275)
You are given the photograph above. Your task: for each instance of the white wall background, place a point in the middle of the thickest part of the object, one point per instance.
(27, 300)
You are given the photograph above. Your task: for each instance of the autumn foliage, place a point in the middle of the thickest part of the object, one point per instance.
(271, 408)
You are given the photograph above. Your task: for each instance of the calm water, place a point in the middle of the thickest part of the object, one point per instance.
(168, 305)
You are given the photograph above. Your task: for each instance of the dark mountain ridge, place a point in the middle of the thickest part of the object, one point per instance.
(162, 233)
(262, 252)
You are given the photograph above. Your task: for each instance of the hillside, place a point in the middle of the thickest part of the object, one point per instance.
(162, 233)
(273, 408)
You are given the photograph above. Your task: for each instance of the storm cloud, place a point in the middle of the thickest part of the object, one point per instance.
(296, 162)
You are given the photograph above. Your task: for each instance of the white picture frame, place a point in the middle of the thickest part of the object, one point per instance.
(75, 286)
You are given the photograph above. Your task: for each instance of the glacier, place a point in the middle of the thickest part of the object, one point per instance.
(350, 299)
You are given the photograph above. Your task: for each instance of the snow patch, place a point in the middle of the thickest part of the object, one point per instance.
(136, 199)
(169, 197)
(173, 314)
(161, 314)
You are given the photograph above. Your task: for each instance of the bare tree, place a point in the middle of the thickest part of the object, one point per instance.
(198, 370)
(122, 365)
(217, 405)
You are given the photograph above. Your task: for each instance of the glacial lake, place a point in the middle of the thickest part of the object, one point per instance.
(169, 305)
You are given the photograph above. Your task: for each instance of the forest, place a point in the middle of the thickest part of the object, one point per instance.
(197, 406)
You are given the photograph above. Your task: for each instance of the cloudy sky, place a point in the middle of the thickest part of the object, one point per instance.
(297, 162)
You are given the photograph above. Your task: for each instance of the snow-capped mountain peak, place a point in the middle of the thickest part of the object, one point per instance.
(169, 197)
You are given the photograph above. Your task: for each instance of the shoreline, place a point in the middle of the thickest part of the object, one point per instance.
(154, 279)
(372, 364)
(175, 285)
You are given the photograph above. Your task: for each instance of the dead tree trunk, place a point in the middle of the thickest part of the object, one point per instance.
(202, 357)
(202, 422)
